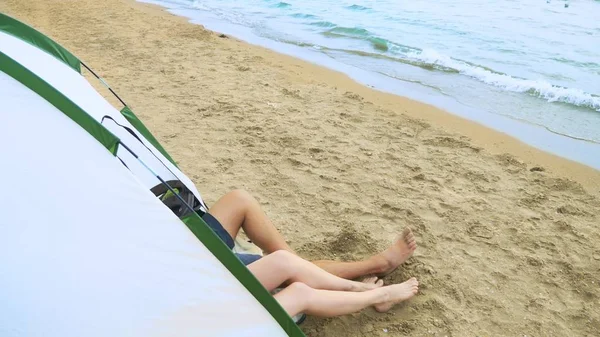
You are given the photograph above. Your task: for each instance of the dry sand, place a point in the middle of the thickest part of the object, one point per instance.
(509, 237)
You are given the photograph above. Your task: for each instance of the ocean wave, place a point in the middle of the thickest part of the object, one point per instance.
(538, 88)
(347, 32)
(378, 47)
(593, 66)
(283, 5)
(325, 24)
(358, 8)
(198, 5)
(378, 43)
(432, 60)
(304, 16)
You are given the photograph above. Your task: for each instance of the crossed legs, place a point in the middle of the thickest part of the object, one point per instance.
(317, 292)
(239, 210)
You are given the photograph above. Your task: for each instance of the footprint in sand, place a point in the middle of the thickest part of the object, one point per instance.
(480, 231)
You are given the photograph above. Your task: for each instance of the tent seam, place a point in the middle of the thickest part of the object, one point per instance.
(31, 34)
(42, 88)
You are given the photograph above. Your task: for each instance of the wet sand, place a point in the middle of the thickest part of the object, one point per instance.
(508, 235)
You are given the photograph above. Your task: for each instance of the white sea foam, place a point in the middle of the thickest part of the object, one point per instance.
(539, 88)
(199, 5)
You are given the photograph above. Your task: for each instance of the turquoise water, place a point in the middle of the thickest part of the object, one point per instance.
(530, 68)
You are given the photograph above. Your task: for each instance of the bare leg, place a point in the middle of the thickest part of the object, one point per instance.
(299, 297)
(354, 269)
(284, 267)
(238, 209)
(380, 264)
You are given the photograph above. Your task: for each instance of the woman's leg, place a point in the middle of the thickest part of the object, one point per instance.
(299, 297)
(282, 267)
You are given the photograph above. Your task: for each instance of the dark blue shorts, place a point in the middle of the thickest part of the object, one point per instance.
(216, 226)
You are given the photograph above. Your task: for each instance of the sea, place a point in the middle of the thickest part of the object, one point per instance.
(528, 68)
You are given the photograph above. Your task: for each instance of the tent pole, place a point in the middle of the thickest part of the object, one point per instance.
(202, 202)
(103, 82)
(190, 208)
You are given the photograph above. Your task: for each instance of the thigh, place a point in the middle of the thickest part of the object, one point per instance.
(216, 227)
(268, 271)
(230, 210)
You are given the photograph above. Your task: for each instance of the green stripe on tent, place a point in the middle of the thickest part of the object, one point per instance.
(60, 101)
(28, 34)
(235, 266)
(132, 118)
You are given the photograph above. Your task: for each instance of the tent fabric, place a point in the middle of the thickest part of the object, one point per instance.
(26, 33)
(137, 123)
(197, 226)
(77, 89)
(55, 97)
(86, 249)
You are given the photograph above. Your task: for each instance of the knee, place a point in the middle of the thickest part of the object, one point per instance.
(241, 196)
(284, 260)
(284, 256)
(301, 291)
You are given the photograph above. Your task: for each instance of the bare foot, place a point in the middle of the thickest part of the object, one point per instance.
(368, 283)
(376, 281)
(397, 293)
(399, 252)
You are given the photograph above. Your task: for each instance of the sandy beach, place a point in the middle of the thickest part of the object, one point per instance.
(508, 235)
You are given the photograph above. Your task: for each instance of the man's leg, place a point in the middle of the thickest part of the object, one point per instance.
(238, 209)
(380, 264)
(353, 269)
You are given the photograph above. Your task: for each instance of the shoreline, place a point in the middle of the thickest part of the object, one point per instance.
(473, 125)
(507, 233)
(540, 137)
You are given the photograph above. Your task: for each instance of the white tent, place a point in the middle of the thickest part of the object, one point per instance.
(87, 246)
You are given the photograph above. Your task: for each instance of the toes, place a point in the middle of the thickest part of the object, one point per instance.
(369, 279)
(407, 234)
(379, 282)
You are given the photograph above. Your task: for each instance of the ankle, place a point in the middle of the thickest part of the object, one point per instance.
(381, 264)
(357, 287)
(384, 295)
